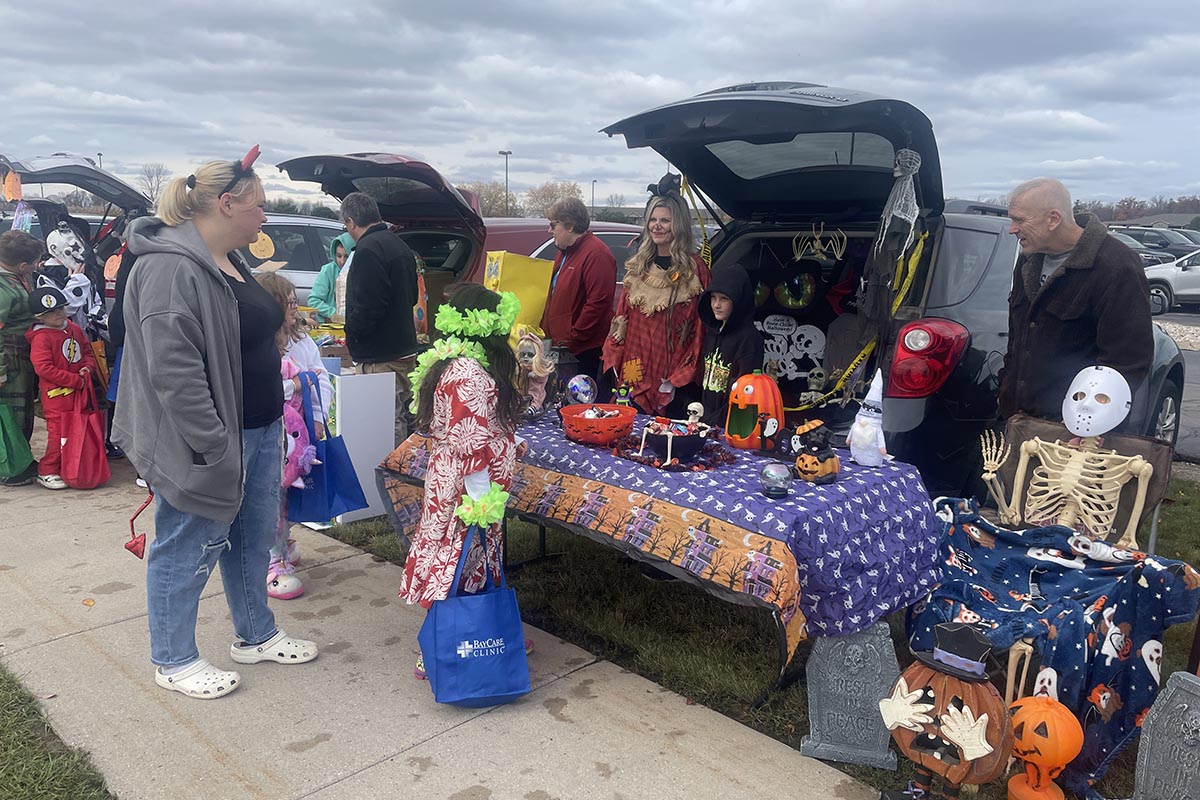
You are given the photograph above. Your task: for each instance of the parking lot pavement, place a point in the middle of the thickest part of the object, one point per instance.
(1188, 447)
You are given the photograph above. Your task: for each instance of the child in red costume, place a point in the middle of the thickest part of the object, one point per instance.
(63, 361)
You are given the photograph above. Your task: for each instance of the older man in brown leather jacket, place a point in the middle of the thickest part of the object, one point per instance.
(1079, 298)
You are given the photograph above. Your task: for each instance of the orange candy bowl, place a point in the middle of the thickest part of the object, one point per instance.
(597, 431)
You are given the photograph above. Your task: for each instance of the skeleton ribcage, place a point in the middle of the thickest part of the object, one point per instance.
(1075, 488)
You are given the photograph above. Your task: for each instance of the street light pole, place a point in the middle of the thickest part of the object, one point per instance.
(506, 154)
(101, 157)
(593, 196)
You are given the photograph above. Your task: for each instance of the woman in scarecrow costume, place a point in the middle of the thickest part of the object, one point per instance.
(654, 343)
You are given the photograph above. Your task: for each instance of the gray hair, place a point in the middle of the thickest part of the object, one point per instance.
(572, 211)
(361, 208)
(1045, 194)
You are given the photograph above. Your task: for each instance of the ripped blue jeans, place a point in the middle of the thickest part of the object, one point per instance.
(187, 548)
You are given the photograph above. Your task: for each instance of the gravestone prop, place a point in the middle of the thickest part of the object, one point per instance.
(847, 676)
(1168, 764)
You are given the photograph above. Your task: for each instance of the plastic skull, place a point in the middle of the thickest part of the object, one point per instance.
(65, 246)
(817, 378)
(1097, 401)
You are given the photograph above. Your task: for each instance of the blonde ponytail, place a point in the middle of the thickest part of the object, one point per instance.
(184, 198)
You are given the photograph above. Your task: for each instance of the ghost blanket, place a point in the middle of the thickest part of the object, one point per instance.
(1096, 614)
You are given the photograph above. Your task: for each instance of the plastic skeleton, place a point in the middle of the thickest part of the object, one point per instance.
(1076, 484)
(810, 244)
(676, 427)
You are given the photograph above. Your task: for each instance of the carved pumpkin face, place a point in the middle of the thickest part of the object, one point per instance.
(933, 749)
(1046, 736)
(749, 397)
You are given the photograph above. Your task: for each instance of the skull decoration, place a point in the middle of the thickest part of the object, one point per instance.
(855, 658)
(64, 245)
(1097, 401)
(817, 378)
(1046, 737)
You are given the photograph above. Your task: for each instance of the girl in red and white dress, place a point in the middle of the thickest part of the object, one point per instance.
(471, 412)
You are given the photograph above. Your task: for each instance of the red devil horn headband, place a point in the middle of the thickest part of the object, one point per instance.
(241, 169)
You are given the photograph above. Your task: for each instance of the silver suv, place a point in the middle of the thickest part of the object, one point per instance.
(301, 249)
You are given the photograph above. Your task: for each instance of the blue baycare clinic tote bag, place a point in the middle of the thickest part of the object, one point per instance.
(474, 644)
(331, 488)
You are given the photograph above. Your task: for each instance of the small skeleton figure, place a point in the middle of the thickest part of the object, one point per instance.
(661, 426)
(1078, 483)
(816, 387)
(695, 412)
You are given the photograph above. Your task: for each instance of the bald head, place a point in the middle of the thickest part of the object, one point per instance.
(1042, 219)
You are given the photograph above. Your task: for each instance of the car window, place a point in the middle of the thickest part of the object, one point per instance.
(962, 261)
(1194, 236)
(292, 251)
(326, 236)
(1153, 237)
(620, 245)
(546, 251)
(751, 160)
(439, 251)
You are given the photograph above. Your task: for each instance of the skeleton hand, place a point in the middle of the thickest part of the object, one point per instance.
(969, 733)
(995, 452)
(902, 710)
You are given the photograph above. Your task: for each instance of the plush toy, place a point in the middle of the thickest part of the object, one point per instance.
(865, 438)
(816, 461)
(299, 453)
(946, 717)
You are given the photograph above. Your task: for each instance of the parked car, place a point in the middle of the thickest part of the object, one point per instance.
(1189, 233)
(1149, 257)
(791, 159)
(1176, 282)
(1167, 240)
(531, 237)
(301, 249)
(439, 222)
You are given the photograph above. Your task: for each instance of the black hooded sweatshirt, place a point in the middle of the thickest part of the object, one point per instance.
(730, 350)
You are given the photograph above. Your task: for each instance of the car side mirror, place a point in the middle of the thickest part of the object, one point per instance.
(1158, 304)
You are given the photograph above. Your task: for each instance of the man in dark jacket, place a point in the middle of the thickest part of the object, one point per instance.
(381, 291)
(732, 345)
(1079, 298)
(579, 306)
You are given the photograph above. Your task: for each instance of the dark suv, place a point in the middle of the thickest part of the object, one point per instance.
(1166, 240)
(789, 160)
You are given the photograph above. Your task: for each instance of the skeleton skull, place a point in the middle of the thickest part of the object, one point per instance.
(65, 246)
(1097, 401)
(695, 412)
(855, 659)
(1190, 725)
(816, 379)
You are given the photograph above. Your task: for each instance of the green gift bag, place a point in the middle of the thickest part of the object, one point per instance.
(15, 455)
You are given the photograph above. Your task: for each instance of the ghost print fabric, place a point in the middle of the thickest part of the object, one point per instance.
(1096, 614)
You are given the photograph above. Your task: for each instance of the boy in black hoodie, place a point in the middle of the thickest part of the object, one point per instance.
(732, 345)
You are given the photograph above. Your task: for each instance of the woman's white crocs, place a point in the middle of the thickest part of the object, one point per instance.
(280, 648)
(201, 680)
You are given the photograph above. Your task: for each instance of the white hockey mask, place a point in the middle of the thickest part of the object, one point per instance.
(1097, 402)
(65, 246)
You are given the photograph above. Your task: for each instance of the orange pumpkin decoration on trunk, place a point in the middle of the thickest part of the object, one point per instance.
(1046, 737)
(754, 401)
(946, 717)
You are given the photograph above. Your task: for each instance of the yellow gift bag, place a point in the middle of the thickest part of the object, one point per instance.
(527, 278)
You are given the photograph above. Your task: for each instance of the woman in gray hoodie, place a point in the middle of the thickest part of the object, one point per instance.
(199, 413)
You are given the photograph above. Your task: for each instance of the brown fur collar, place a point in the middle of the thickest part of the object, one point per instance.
(1083, 255)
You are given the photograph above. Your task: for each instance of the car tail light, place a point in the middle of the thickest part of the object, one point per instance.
(927, 351)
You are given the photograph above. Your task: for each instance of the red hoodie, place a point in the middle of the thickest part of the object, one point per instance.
(58, 355)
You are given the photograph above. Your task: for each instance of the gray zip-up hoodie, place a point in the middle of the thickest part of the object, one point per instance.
(179, 400)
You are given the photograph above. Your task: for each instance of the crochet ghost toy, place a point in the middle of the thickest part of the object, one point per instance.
(865, 438)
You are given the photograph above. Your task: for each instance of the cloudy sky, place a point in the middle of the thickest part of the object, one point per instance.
(1104, 95)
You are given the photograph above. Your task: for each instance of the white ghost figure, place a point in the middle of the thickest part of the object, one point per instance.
(867, 446)
(1046, 683)
(1152, 654)
(1097, 401)
(1056, 557)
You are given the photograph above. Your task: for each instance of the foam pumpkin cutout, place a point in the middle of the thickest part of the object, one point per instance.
(967, 737)
(1046, 738)
(750, 398)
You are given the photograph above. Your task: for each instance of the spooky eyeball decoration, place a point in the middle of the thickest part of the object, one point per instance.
(1046, 737)
(761, 293)
(581, 389)
(754, 401)
(797, 291)
(944, 714)
(1097, 402)
(775, 480)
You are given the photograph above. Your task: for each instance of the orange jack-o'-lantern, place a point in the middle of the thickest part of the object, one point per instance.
(945, 716)
(1046, 737)
(754, 401)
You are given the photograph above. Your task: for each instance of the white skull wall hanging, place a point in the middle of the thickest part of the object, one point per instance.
(1077, 483)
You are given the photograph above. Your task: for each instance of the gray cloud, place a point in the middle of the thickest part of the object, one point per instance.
(1102, 99)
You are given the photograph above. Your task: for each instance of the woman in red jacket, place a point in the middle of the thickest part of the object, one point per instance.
(654, 343)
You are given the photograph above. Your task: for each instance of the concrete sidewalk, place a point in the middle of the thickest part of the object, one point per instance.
(353, 724)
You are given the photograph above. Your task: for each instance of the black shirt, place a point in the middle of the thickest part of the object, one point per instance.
(260, 317)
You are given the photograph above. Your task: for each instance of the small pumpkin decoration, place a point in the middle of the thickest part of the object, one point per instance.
(946, 717)
(1046, 738)
(754, 400)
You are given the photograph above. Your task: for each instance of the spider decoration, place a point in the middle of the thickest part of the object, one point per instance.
(818, 244)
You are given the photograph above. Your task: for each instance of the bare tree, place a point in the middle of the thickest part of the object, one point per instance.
(540, 198)
(152, 179)
(491, 199)
(615, 200)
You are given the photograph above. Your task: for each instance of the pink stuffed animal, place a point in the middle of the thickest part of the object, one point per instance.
(299, 453)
